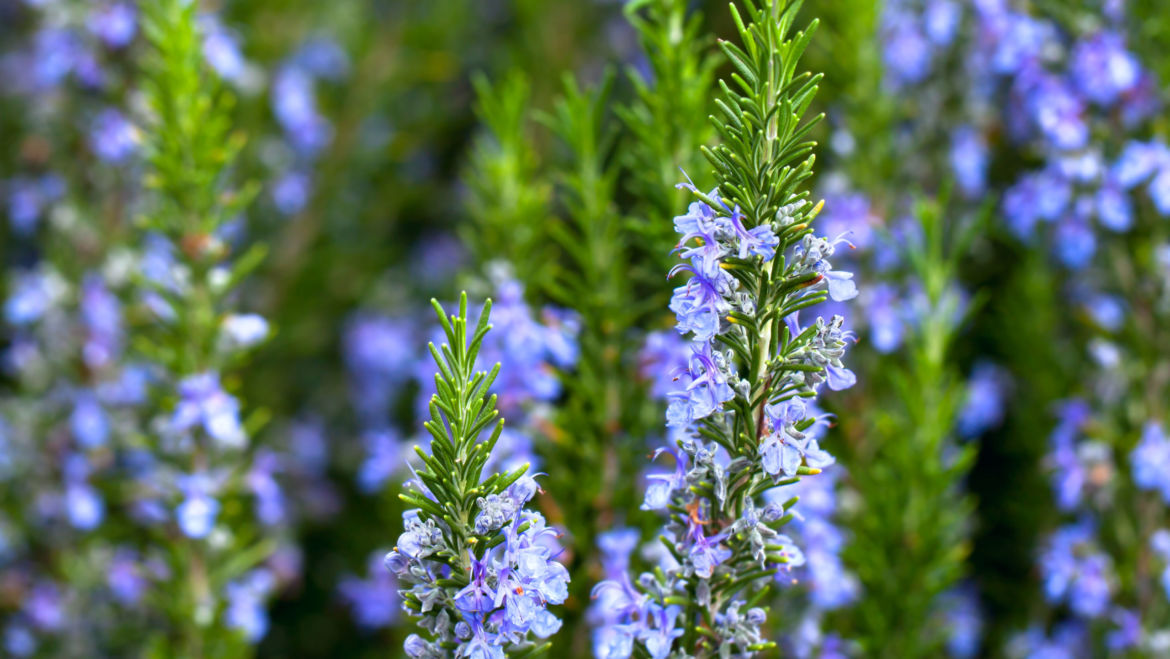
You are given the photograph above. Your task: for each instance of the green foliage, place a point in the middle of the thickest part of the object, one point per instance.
(666, 122)
(189, 150)
(461, 411)
(910, 530)
(509, 204)
(190, 143)
(764, 155)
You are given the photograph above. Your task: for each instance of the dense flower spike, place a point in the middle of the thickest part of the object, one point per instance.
(741, 405)
(475, 566)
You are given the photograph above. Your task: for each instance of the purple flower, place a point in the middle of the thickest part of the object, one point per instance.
(1074, 571)
(28, 199)
(969, 158)
(1151, 461)
(246, 610)
(114, 23)
(88, 422)
(245, 330)
(706, 553)
(125, 578)
(907, 52)
(983, 407)
(202, 402)
(374, 600)
(295, 104)
(197, 513)
(112, 137)
(1114, 209)
(221, 48)
(1102, 68)
(291, 192)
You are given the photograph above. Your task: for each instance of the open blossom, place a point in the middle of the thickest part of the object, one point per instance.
(203, 403)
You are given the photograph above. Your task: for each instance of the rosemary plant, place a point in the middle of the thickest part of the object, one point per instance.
(476, 566)
(741, 417)
(196, 456)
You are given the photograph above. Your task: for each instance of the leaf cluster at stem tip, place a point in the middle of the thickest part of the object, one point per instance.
(450, 481)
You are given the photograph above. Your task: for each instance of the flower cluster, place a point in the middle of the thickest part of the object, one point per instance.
(740, 407)
(709, 549)
(1051, 91)
(475, 566)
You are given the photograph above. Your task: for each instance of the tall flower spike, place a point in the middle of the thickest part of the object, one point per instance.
(475, 566)
(740, 411)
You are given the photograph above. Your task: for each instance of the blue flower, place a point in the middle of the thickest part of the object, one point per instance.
(28, 199)
(760, 241)
(84, 505)
(374, 600)
(907, 53)
(295, 104)
(983, 406)
(112, 137)
(1103, 68)
(883, 312)
(290, 193)
(659, 636)
(1114, 208)
(969, 156)
(1074, 571)
(706, 553)
(1160, 543)
(1151, 461)
(246, 609)
(197, 513)
(245, 330)
(221, 49)
(203, 403)
(1075, 243)
(89, 423)
(699, 305)
(941, 20)
(1138, 162)
(115, 23)
(477, 596)
(706, 392)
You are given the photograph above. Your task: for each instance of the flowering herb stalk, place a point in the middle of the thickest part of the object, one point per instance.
(475, 566)
(743, 410)
(193, 467)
